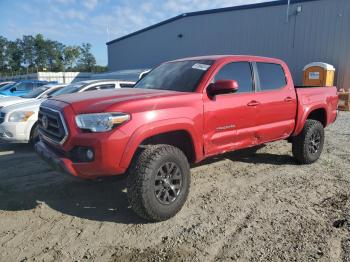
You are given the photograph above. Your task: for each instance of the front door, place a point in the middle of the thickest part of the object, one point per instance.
(229, 119)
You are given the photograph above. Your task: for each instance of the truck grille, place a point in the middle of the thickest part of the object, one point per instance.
(2, 117)
(52, 126)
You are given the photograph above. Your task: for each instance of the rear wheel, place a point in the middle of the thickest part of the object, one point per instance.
(158, 182)
(308, 145)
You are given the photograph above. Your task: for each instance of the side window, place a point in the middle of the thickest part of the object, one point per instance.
(239, 71)
(125, 85)
(271, 76)
(107, 86)
(101, 87)
(93, 88)
(25, 87)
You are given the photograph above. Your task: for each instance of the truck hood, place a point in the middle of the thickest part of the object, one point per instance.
(105, 100)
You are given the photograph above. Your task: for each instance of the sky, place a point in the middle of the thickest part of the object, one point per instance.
(73, 22)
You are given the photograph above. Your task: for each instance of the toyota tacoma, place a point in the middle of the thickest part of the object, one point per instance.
(180, 113)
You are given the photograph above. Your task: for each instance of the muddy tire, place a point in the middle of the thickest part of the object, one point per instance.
(308, 145)
(158, 182)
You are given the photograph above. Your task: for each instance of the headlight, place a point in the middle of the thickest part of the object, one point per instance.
(101, 122)
(20, 116)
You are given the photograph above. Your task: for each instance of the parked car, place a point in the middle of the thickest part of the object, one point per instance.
(180, 113)
(38, 93)
(6, 87)
(22, 87)
(132, 75)
(18, 122)
(5, 83)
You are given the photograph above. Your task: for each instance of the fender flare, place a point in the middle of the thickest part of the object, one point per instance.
(157, 128)
(305, 115)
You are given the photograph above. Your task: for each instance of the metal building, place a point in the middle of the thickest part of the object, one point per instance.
(300, 33)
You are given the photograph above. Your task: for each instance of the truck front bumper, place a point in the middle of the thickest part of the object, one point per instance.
(105, 162)
(56, 161)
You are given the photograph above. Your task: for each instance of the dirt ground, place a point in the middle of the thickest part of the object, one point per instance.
(242, 206)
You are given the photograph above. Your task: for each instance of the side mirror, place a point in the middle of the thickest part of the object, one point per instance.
(13, 89)
(223, 87)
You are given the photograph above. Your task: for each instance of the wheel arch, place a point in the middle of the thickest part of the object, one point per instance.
(318, 113)
(32, 129)
(173, 132)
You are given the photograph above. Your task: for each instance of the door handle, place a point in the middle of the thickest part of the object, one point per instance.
(253, 103)
(288, 99)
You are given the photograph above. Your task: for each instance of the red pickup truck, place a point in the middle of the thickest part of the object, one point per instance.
(182, 112)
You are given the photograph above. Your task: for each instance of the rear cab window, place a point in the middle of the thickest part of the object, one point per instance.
(270, 76)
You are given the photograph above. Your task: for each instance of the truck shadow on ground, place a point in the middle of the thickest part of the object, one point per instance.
(251, 155)
(97, 200)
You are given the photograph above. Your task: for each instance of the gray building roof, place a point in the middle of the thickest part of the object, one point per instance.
(211, 11)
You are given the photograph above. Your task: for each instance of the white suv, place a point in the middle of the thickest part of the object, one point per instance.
(18, 122)
(38, 93)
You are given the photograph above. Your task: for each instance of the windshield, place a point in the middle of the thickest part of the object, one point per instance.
(182, 76)
(4, 84)
(69, 89)
(6, 87)
(36, 92)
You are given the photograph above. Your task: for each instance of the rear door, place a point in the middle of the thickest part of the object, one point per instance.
(276, 102)
(228, 120)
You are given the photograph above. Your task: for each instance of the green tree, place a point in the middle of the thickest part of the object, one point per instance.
(3, 46)
(54, 52)
(37, 52)
(28, 50)
(100, 69)
(70, 56)
(40, 51)
(14, 55)
(86, 61)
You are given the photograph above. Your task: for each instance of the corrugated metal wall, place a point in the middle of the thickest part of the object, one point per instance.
(321, 32)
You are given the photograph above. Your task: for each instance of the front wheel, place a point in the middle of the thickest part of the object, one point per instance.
(308, 145)
(158, 182)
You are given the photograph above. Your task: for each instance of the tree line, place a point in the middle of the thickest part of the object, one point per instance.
(36, 53)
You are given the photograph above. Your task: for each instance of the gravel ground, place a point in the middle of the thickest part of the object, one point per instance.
(243, 206)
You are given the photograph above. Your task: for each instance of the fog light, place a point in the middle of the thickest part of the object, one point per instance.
(82, 154)
(90, 154)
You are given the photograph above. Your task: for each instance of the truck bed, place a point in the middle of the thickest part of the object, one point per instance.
(312, 98)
